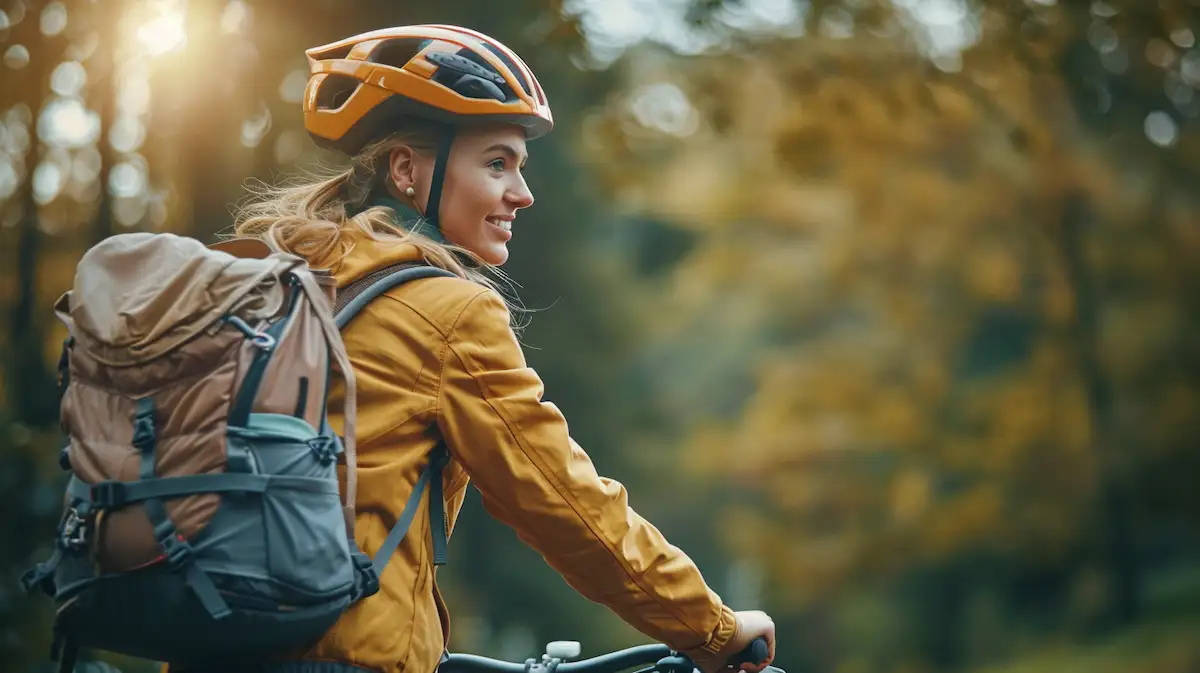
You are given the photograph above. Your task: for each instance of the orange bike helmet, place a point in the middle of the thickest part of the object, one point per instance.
(445, 73)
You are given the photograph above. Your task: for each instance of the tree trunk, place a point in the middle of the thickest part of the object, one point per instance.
(105, 92)
(1115, 506)
(33, 398)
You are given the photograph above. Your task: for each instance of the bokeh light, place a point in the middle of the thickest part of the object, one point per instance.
(162, 31)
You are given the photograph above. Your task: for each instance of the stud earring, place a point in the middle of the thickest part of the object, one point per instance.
(410, 192)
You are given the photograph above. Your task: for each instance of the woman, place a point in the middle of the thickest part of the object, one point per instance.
(436, 119)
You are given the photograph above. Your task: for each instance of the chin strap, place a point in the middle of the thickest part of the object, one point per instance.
(439, 176)
(358, 202)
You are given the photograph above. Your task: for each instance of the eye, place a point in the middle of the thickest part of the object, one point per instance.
(498, 165)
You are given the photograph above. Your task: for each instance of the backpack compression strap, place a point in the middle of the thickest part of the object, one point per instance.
(350, 300)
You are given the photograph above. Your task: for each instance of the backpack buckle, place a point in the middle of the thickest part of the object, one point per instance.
(74, 531)
(367, 580)
(324, 448)
(108, 495)
(143, 432)
(439, 457)
(177, 551)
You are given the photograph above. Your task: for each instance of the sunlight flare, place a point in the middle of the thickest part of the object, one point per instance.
(163, 30)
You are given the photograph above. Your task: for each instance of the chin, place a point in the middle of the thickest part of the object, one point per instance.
(495, 256)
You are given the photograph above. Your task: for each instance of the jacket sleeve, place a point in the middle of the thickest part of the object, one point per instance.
(537, 480)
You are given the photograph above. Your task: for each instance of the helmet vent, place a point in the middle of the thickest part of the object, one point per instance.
(511, 66)
(398, 52)
(334, 91)
(339, 53)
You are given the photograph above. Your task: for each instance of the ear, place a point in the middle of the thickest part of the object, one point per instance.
(402, 168)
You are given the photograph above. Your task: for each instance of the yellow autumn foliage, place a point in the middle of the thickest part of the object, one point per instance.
(901, 238)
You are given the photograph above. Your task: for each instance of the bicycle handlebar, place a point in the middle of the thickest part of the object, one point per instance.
(605, 663)
(756, 652)
(661, 656)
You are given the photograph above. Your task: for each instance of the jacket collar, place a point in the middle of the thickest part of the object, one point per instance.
(403, 215)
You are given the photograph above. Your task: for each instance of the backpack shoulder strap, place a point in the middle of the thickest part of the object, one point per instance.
(349, 301)
(352, 298)
(431, 477)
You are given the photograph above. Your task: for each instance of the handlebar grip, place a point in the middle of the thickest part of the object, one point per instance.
(755, 653)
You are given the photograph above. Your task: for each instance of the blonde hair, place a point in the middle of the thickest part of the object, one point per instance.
(309, 217)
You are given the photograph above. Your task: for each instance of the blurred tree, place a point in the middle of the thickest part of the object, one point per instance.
(904, 287)
(103, 87)
(34, 42)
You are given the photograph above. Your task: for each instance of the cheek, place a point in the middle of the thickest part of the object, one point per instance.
(468, 202)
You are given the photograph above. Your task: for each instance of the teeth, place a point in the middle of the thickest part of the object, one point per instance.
(503, 224)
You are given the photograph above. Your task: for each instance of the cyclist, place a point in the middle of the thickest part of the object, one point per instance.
(435, 119)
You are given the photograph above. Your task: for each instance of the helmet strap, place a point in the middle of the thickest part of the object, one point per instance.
(439, 176)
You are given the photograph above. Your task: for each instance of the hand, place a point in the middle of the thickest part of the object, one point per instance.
(751, 624)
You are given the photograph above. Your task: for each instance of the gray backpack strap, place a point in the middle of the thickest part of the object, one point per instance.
(349, 301)
(352, 298)
(431, 477)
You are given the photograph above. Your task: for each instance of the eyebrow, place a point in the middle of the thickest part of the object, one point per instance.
(507, 149)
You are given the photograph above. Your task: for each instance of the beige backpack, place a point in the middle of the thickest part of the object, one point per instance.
(203, 519)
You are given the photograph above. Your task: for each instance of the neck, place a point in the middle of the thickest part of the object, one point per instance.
(404, 215)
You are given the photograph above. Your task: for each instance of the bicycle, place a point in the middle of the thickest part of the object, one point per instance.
(661, 659)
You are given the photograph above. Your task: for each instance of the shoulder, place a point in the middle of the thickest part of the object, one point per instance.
(450, 305)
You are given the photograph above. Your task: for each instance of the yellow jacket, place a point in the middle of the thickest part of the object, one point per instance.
(437, 357)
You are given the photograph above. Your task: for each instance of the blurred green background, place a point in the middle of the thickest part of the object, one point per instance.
(885, 310)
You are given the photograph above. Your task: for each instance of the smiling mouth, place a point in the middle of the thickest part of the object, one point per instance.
(506, 225)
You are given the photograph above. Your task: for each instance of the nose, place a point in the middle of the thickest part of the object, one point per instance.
(520, 196)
